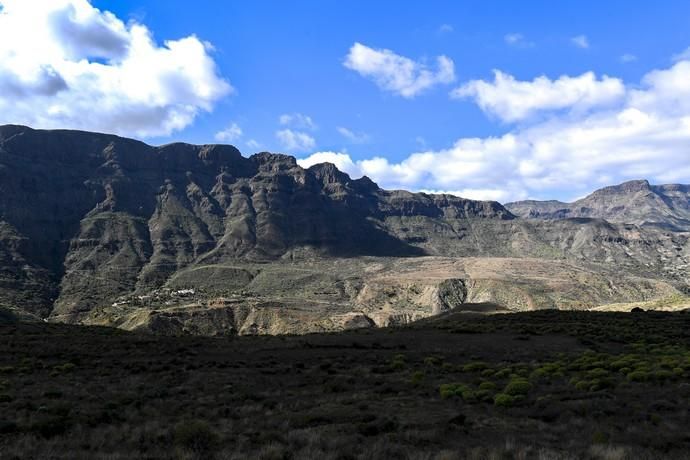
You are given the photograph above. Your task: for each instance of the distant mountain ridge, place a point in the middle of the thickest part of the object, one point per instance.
(633, 202)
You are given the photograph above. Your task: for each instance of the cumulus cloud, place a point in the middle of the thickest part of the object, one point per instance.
(353, 137)
(512, 100)
(297, 120)
(581, 41)
(230, 134)
(398, 74)
(67, 64)
(341, 160)
(295, 141)
(645, 134)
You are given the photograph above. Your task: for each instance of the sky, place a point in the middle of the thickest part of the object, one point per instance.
(484, 99)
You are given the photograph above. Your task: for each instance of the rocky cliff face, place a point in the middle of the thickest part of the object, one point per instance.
(635, 202)
(87, 220)
(86, 217)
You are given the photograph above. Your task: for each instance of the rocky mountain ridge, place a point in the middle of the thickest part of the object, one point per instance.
(633, 202)
(88, 219)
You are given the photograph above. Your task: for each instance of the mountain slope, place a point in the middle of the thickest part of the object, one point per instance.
(88, 221)
(634, 202)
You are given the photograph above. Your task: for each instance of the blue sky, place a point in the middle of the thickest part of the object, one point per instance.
(265, 60)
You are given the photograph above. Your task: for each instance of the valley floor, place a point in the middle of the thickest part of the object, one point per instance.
(545, 384)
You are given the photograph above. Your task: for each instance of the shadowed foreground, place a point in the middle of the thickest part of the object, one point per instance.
(530, 385)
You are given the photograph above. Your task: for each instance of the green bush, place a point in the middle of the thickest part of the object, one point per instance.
(196, 436)
(417, 377)
(469, 396)
(487, 386)
(597, 373)
(503, 373)
(448, 390)
(487, 373)
(475, 366)
(638, 376)
(518, 387)
(504, 400)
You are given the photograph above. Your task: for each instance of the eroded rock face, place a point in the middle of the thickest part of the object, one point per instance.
(87, 220)
(86, 217)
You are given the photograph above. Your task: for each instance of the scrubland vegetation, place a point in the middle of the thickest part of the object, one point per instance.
(530, 385)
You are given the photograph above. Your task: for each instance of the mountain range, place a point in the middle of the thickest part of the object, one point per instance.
(182, 238)
(634, 202)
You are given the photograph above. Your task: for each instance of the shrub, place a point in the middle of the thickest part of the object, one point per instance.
(417, 377)
(597, 373)
(469, 395)
(475, 366)
(487, 386)
(582, 385)
(196, 436)
(518, 387)
(662, 375)
(484, 395)
(398, 362)
(449, 390)
(504, 400)
(638, 376)
(447, 367)
(503, 373)
(487, 373)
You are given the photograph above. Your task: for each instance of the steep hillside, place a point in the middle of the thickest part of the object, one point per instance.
(635, 202)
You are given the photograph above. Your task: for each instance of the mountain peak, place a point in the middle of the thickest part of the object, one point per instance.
(666, 206)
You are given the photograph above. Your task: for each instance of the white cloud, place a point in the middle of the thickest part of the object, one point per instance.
(512, 100)
(398, 74)
(627, 57)
(295, 140)
(355, 138)
(341, 160)
(517, 40)
(645, 134)
(66, 64)
(230, 134)
(581, 41)
(297, 120)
